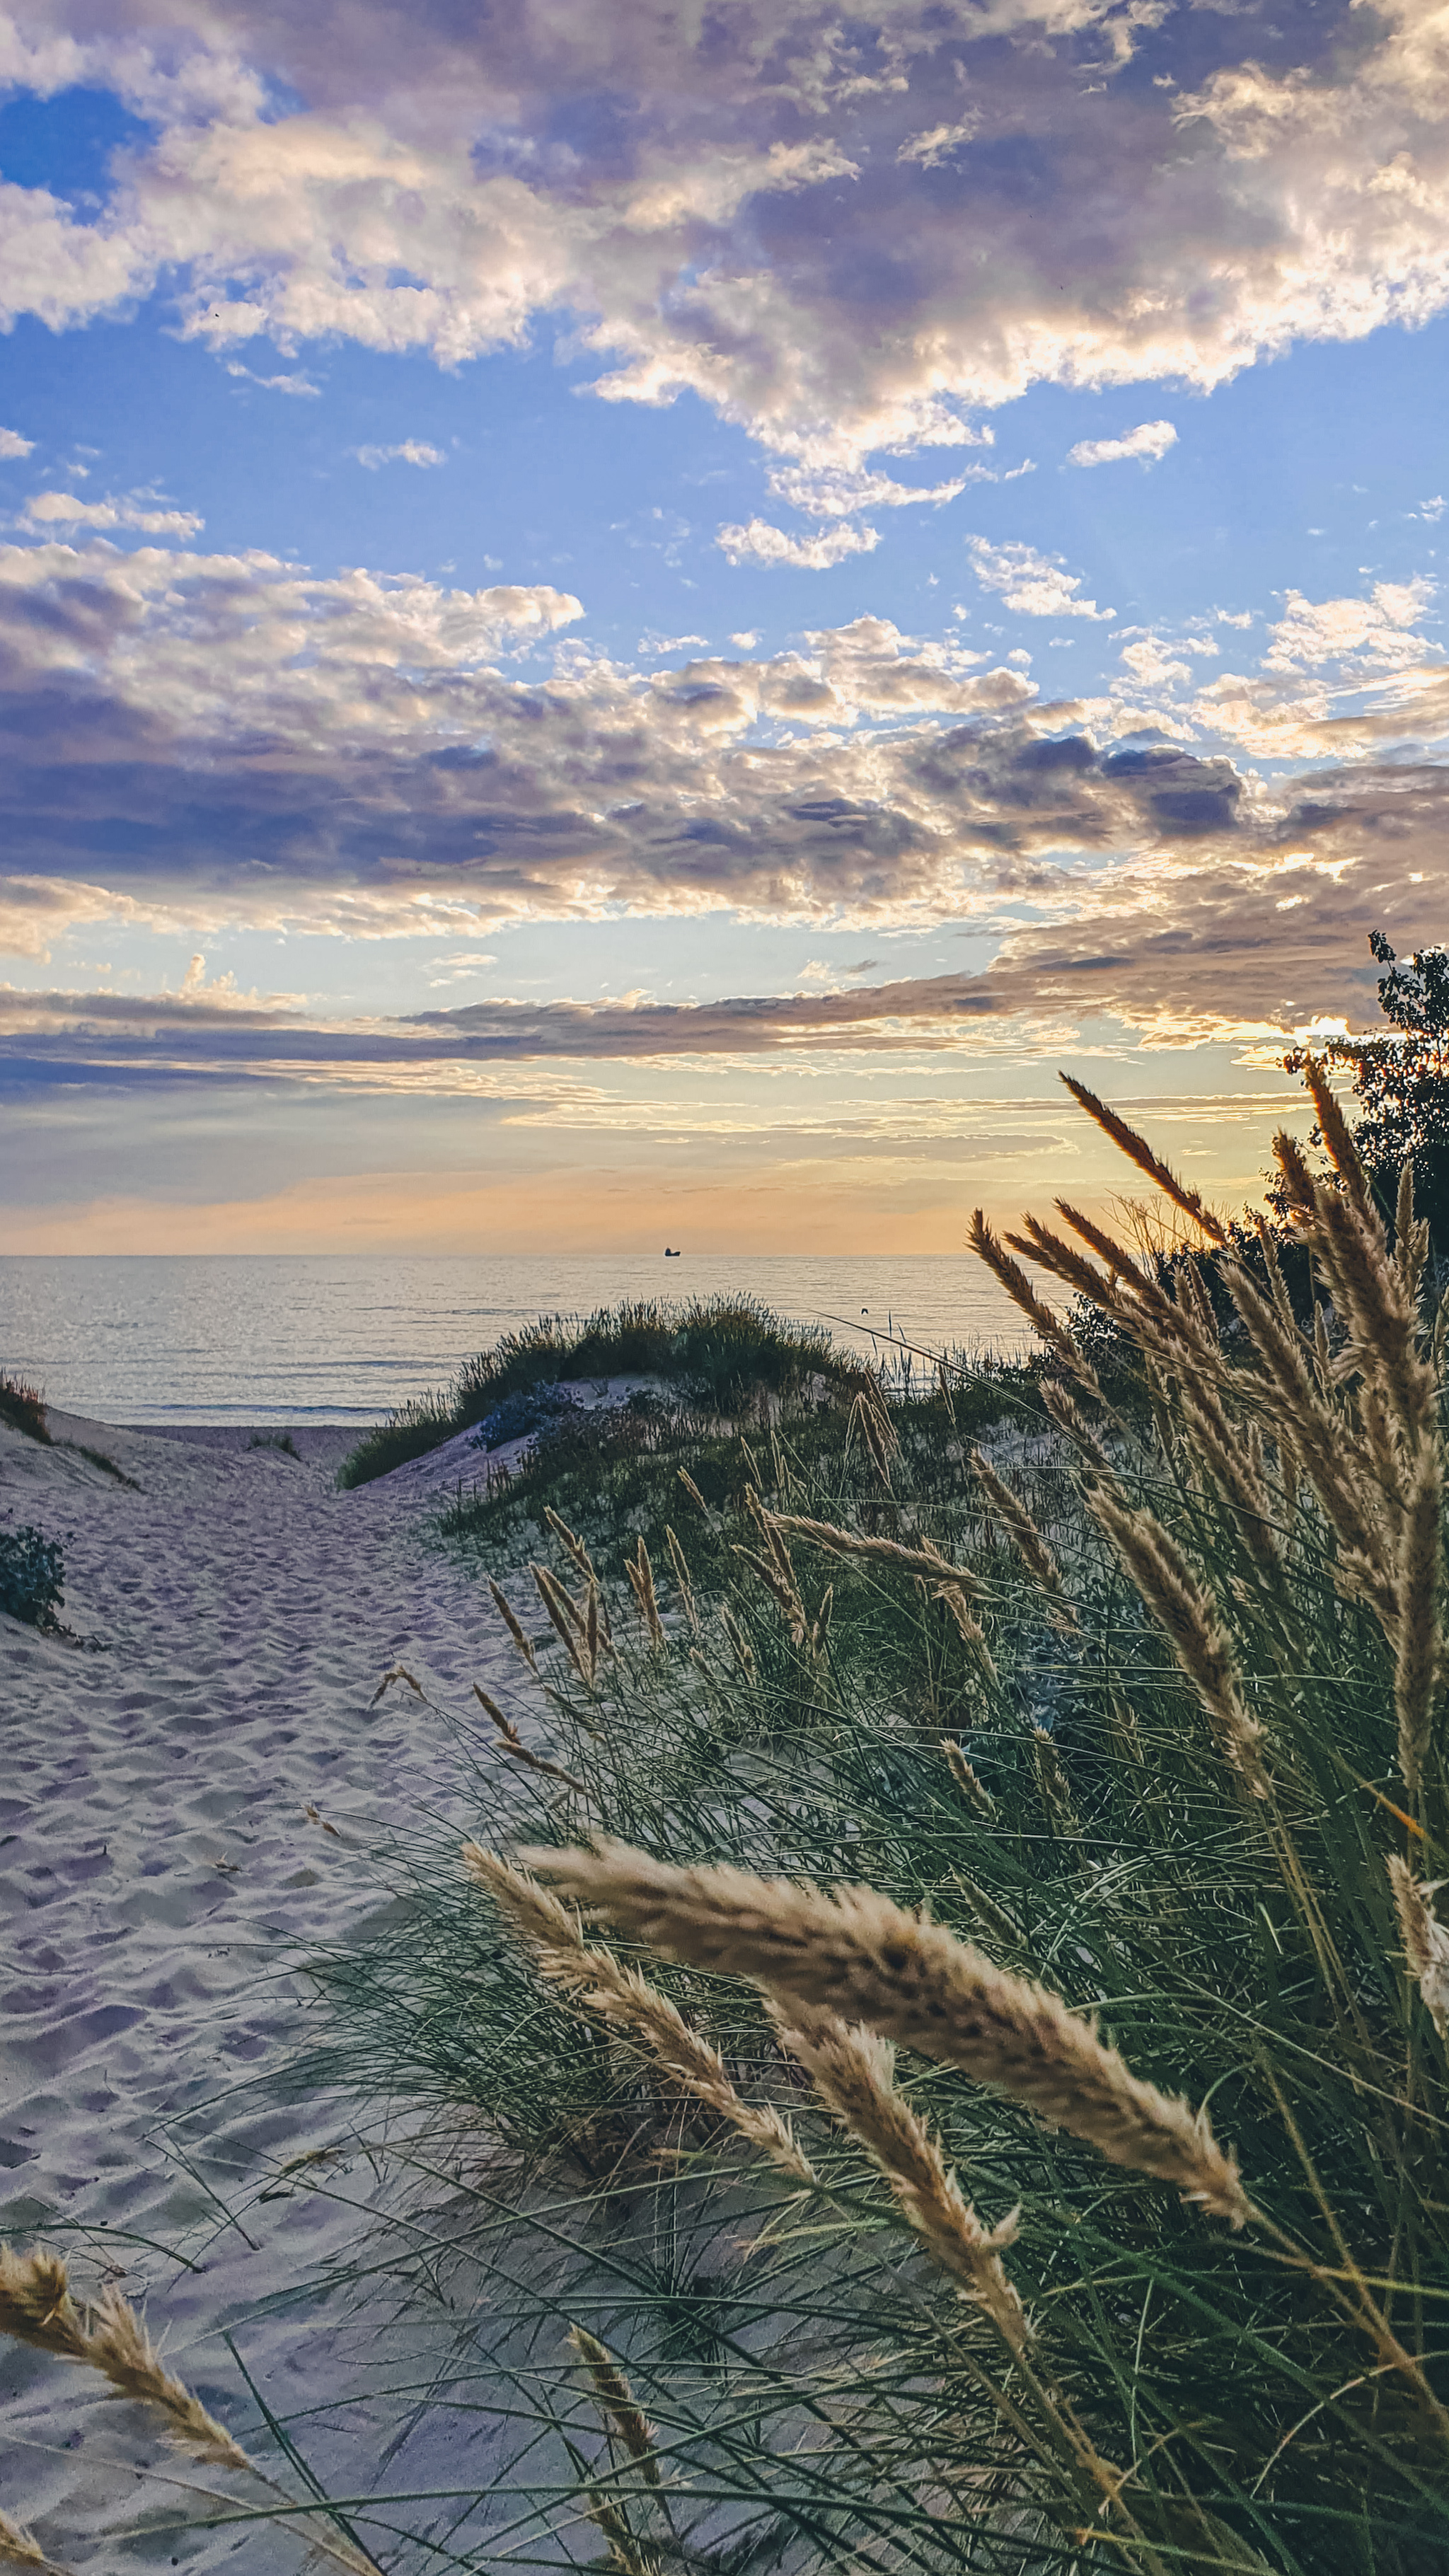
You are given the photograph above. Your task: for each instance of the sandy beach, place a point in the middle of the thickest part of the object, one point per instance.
(230, 1616)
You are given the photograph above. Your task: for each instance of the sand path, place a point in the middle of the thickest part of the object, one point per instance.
(159, 1878)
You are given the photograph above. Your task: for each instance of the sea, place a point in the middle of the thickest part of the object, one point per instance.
(312, 1338)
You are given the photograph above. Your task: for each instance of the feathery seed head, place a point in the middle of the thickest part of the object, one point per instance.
(680, 1564)
(858, 1955)
(989, 1248)
(1426, 1943)
(1333, 1126)
(623, 1998)
(36, 2307)
(617, 2400)
(1420, 1593)
(853, 2070)
(1137, 1149)
(966, 1776)
(1187, 1613)
(506, 1612)
(1030, 1544)
(20, 2545)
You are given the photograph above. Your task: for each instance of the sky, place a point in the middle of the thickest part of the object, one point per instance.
(626, 624)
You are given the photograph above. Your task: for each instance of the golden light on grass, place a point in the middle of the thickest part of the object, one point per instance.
(987, 1245)
(629, 2004)
(1138, 1151)
(866, 1959)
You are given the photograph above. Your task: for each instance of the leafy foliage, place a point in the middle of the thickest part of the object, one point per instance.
(1402, 1082)
(32, 1576)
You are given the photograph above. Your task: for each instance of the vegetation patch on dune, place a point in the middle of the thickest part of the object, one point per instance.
(963, 2034)
(32, 1576)
(23, 1407)
(713, 1353)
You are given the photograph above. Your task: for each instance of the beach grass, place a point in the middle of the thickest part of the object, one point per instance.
(714, 1353)
(279, 1441)
(1039, 1849)
(23, 1407)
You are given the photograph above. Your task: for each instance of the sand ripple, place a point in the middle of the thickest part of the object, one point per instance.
(158, 1878)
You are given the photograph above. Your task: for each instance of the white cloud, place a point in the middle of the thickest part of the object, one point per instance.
(12, 444)
(746, 640)
(294, 383)
(760, 543)
(819, 970)
(461, 968)
(801, 250)
(1432, 510)
(835, 493)
(1149, 441)
(941, 144)
(1378, 629)
(1032, 584)
(1229, 617)
(408, 451)
(1152, 666)
(62, 509)
(650, 645)
(354, 754)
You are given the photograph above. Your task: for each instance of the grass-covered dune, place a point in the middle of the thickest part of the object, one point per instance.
(961, 2037)
(714, 1354)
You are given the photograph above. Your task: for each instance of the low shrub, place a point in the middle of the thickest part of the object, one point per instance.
(32, 1576)
(23, 1407)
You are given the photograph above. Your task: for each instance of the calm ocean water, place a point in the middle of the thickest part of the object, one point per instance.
(302, 1338)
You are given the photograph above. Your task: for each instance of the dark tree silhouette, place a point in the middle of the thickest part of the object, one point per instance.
(1402, 1082)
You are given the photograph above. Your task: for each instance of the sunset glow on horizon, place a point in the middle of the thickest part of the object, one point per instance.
(630, 625)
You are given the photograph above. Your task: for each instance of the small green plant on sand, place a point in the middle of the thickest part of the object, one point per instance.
(32, 1576)
(280, 1441)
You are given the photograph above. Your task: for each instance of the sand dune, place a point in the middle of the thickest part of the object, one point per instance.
(160, 1879)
